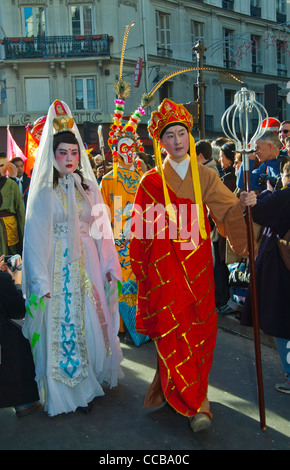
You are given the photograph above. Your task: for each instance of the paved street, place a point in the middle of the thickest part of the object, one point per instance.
(119, 423)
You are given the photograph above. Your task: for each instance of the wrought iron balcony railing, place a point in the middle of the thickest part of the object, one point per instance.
(57, 46)
(164, 52)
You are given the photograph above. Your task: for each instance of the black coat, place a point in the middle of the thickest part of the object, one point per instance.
(17, 384)
(229, 178)
(273, 279)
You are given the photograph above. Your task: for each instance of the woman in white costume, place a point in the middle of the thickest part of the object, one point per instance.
(70, 273)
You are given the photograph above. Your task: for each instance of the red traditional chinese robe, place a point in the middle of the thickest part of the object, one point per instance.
(176, 302)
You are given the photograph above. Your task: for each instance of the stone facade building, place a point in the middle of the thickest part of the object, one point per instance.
(70, 50)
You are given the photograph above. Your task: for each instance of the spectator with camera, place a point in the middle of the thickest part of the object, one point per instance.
(267, 150)
(271, 209)
(18, 388)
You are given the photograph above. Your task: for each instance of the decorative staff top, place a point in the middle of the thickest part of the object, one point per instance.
(235, 121)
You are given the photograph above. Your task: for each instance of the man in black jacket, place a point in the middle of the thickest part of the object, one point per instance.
(22, 179)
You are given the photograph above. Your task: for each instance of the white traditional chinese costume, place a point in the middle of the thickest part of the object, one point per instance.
(68, 249)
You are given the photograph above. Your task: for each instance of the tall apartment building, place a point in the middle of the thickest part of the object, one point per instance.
(70, 50)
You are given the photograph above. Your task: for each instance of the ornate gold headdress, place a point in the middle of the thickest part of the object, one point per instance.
(62, 122)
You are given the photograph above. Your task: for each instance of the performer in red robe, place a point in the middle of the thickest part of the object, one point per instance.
(171, 257)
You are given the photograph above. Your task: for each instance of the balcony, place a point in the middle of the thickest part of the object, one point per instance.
(163, 52)
(57, 46)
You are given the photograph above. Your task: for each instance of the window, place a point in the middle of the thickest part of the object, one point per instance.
(228, 4)
(165, 91)
(163, 34)
(197, 33)
(229, 51)
(34, 21)
(256, 54)
(255, 8)
(229, 98)
(37, 92)
(281, 59)
(282, 108)
(85, 93)
(281, 6)
(82, 23)
(281, 14)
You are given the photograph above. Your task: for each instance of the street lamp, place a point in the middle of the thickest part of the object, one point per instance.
(199, 48)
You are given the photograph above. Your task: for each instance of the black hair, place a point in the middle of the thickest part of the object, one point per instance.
(173, 124)
(229, 151)
(204, 147)
(68, 138)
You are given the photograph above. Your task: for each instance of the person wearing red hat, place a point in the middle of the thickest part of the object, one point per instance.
(171, 256)
(271, 124)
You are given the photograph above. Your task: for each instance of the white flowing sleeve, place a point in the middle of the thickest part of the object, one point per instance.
(38, 246)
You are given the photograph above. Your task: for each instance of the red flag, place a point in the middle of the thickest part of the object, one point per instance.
(13, 150)
(31, 147)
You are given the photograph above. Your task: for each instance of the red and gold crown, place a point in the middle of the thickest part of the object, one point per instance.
(168, 113)
(37, 128)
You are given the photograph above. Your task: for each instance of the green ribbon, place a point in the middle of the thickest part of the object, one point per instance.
(33, 303)
(120, 285)
(34, 340)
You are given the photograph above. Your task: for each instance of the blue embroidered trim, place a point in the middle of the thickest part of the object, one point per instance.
(68, 330)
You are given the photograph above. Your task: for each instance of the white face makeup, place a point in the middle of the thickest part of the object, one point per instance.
(126, 149)
(67, 157)
(176, 142)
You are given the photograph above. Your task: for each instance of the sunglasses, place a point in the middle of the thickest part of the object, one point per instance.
(285, 131)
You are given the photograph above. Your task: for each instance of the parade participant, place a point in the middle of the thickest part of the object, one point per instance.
(32, 139)
(12, 212)
(22, 179)
(37, 128)
(70, 274)
(119, 188)
(171, 257)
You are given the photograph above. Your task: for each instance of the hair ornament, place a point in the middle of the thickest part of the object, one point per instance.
(62, 122)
